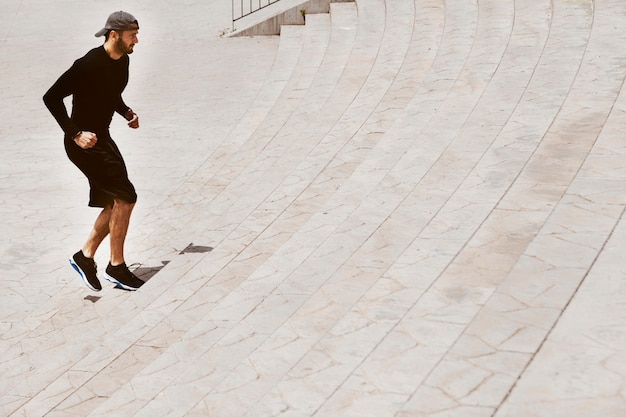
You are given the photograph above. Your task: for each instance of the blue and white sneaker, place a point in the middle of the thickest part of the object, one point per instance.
(87, 269)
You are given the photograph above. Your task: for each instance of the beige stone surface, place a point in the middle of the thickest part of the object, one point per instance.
(403, 208)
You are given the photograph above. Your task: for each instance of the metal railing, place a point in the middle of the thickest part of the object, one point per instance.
(243, 8)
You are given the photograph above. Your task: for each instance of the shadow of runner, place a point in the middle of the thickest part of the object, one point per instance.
(146, 272)
(191, 248)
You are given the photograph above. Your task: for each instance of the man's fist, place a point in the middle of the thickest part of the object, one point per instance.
(86, 140)
(133, 119)
(134, 122)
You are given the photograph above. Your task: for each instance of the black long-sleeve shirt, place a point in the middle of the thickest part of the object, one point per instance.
(96, 82)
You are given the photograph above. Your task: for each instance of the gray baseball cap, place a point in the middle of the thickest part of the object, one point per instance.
(119, 21)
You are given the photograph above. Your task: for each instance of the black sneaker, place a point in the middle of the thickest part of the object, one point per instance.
(87, 269)
(122, 277)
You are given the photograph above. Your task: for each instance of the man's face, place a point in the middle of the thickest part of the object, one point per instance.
(126, 41)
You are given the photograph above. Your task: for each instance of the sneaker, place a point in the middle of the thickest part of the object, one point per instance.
(122, 277)
(87, 269)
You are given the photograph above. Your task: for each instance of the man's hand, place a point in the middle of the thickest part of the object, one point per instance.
(134, 122)
(133, 119)
(86, 140)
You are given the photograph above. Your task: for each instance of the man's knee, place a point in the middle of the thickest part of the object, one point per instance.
(121, 204)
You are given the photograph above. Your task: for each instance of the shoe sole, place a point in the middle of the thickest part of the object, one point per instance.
(119, 284)
(82, 275)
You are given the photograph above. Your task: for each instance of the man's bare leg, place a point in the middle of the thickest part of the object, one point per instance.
(99, 232)
(118, 227)
(117, 271)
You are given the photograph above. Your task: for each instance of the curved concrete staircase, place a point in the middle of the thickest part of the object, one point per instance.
(419, 213)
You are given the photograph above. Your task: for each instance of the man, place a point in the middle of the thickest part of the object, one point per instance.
(96, 82)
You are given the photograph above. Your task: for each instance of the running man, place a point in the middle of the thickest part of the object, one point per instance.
(96, 82)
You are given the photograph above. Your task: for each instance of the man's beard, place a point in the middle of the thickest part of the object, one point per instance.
(123, 48)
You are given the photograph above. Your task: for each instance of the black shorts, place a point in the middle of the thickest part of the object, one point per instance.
(105, 169)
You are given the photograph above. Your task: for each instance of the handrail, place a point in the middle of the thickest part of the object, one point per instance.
(243, 8)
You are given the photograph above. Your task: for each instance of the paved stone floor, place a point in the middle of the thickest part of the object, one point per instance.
(404, 208)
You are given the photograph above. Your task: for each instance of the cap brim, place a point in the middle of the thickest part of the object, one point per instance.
(101, 32)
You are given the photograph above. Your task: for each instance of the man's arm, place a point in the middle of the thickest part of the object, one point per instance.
(53, 99)
(122, 108)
